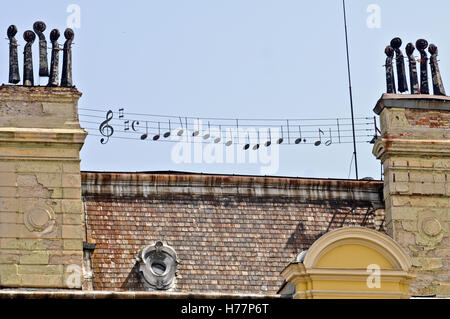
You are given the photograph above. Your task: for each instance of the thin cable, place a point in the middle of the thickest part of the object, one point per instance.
(230, 119)
(350, 90)
(350, 169)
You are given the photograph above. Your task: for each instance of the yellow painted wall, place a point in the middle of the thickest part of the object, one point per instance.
(352, 256)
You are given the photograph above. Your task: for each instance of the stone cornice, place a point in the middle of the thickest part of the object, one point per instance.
(413, 101)
(47, 94)
(410, 147)
(41, 135)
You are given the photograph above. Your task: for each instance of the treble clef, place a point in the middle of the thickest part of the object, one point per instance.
(106, 129)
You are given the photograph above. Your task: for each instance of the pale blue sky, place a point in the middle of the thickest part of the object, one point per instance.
(251, 58)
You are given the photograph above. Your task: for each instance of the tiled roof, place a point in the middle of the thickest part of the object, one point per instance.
(232, 234)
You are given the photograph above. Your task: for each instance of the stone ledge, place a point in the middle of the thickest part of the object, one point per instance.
(413, 101)
(38, 93)
(42, 135)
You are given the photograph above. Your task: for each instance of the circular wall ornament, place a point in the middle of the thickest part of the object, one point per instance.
(39, 219)
(158, 266)
(431, 226)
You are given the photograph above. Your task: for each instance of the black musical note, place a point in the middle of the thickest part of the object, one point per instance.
(144, 136)
(256, 146)
(281, 139)
(198, 128)
(317, 143)
(167, 134)
(230, 141)
(299, 140)
(106, 129)
(330, 141)
(219, 138)
(180, 131)
(246, 146)
(156, 137)
(269, 141)
(207, 135)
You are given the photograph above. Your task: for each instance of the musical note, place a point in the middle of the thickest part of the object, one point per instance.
(330, 141)
(156, 137)
(144, 136)
(280, 140)
(217, 139)
(299, 140)
(246, 146)
(317, 143)
(167, 134)
(198, 128)
(256, 146)
(207, 135)
(180, 132)
(230, 141)
(106, 129)
(270, 139)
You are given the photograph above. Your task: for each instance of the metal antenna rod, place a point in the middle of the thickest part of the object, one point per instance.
(350, 91)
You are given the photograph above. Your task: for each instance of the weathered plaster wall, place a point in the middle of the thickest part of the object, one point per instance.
(415, 151)
(41, 213)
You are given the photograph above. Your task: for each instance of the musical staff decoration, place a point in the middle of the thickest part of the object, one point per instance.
(44, 71)
(421, 45)
(248, 134)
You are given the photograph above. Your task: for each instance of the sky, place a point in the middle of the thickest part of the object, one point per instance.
(230, 59)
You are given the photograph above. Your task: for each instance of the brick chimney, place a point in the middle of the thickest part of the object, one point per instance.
(41, 212)
(414, 149)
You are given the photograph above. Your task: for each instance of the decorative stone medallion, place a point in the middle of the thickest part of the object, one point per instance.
(431, 231)
(39, 219)
(431, 226)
